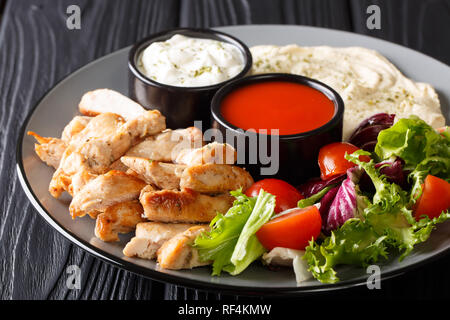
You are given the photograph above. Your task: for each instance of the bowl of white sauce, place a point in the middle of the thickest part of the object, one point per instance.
(178, 72)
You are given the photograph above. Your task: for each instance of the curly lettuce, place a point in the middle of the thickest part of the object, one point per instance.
(386, 223)
(413, 140)
(355, 242)
(390, 213)
(424, 150)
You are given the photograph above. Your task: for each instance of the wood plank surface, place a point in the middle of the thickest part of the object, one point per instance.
(37, 50)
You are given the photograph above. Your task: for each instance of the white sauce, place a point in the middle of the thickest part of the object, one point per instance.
(191, 62)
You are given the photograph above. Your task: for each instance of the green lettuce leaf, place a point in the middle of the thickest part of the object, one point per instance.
(218, 244)
(387, 222)
(413, 140)
(248, 248)
(424, 150)
(231, 243)
(390, 214)
(355, 242)
(436, 166)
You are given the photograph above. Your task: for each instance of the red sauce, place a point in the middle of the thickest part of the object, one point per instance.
(290, 107)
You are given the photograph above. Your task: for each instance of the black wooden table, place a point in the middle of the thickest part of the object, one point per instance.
(37, 50)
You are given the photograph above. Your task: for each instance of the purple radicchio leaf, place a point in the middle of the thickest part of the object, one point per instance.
(393, 170)
(325, 204)
(315, 185)
(345, 204)
(366, 134)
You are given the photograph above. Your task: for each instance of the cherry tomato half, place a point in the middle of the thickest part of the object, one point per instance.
(286, 195)
(435, 198)
(332, 161)
(292, 230)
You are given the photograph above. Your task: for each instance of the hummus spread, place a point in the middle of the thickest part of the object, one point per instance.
(367, 82)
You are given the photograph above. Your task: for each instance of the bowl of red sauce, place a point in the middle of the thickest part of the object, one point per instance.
(278, 123)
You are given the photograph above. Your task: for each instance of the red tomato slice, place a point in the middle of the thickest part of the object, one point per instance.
(332, 161)
(435, 198)
(442, 129)
(292, 230)
(286, 195)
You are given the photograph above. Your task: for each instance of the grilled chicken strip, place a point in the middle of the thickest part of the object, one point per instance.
(163, 175)
(100, 101)
(219, 153)
(178, 253)
(118, 165)
(75, 126)
(119, 218)
(74, 183)
(215, 178)
(74, 163)
(93, 150)
(166, 145)
(150, 236)
(104, 191)
(103, 125)
(185, 206)
(49, 150)
(105, 149)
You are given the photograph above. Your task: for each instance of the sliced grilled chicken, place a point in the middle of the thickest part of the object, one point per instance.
(104, 125)
(163, 175)
(178, 253)
(104, 140)
(215, 178)
(185, 206)
(75, 126)
(119, 166)
(150, 236)
(104, 191)
(149, 123)
(218, 153)
(147, 188)
(119, 218)
(100, 101)
(166, 145)
(49, 150)
(74, 182)
(105, 149)
(74, 163)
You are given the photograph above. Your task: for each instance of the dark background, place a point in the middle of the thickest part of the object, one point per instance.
(37, 50)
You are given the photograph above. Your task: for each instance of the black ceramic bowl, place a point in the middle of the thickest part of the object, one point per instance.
(180, 105)
(297, 153)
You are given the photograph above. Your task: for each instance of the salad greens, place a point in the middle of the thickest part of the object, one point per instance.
(363, 224)
(355, 242)
(413, 140)
(365, 135)
(424, 150)
(232, 243)
(387, 222)
(390, 212)
(347, 204)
